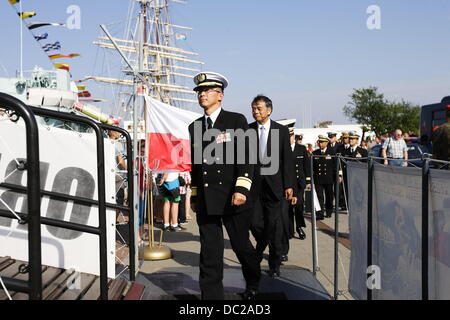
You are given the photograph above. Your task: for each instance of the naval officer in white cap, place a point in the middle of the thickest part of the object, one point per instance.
(221, 192)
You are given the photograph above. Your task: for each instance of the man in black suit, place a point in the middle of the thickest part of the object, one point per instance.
(324, 166)
(273, 182)
(220, 189)
(303, 179)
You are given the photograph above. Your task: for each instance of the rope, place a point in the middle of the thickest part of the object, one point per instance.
(4, 288)
(10, 174)
(12, 211)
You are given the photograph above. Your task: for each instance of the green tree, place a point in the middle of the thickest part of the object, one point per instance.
(370, 109)
(404, 116)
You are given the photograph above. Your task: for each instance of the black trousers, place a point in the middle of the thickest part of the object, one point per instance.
(343, 188)
(211, 252)
(182, 209)
(285, 222)
(296, 212)
(267, 228)
(325, 196)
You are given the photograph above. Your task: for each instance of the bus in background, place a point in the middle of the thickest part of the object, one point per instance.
(432, 115)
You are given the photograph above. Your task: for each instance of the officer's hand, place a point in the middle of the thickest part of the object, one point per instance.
(308, 186)
(194, 206)
(385, 162)
(288, 193)
(294, 201)
(238, 199)
(340, 179)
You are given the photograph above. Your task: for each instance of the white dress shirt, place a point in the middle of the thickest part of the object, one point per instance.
(213, 117)
(263, 136)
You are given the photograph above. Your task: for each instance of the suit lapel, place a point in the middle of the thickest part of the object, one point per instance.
(219, 121)
(269, 140)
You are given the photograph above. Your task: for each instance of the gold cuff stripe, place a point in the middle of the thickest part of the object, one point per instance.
(193, 191)
(308, 178)
(340, 172)
(244, 182)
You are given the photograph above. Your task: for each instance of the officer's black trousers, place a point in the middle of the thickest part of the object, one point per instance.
(296, 212)
(211, 252)
(285, 222)
(267, 228)
(326, 189)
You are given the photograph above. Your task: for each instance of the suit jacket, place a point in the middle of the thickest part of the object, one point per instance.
(302, 165)
(336, 147)
(341, 149)
(284, 176)
(358, 153)
(213, 184)
(324, 167)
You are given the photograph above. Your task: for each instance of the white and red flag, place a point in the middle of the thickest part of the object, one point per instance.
(168, 136)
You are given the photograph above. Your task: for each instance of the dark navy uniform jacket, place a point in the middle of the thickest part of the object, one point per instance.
(324, 167)
(302, 166)
(213, 184)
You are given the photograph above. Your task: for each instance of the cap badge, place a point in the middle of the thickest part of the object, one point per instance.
(201, 77)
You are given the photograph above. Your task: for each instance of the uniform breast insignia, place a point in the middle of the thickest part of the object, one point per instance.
(358, 155)
(223, 137)
(328, 158)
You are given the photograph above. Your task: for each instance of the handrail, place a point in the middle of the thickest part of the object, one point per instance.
(131, 226)
(34, 285)
(100, 187)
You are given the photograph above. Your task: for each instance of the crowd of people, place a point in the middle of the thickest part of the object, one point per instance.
(247, 198)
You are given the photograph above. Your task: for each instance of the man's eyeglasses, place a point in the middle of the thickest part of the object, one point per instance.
(208, 90)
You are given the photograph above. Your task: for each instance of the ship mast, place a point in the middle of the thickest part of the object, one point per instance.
(159, 69)
(168, 69)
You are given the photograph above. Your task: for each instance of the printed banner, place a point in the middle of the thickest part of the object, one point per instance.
(357, 214)
(439, 243)
(69, 166)
(397, 223)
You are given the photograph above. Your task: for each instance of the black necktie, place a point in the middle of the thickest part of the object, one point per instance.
(210, 124)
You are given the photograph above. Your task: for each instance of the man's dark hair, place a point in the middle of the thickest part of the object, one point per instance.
(263, 98)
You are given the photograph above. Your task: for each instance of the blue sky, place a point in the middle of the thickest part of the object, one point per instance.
(300, 53)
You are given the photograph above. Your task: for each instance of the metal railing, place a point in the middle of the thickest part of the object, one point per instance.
(34, 286)
(371, 161)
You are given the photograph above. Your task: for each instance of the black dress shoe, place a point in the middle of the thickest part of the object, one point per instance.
(328, 215)
(319, 216)
(249, 294)
(274, 273)
(284, 258)
(301, 234)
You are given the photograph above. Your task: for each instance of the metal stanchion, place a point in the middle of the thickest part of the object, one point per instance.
(369, 219)
(336, 230)
(425, 226)
(154, 252)
(313, 221)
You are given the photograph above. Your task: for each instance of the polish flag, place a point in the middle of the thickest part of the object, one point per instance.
(168, 136)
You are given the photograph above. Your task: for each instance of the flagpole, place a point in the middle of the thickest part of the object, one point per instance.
(21, 41)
